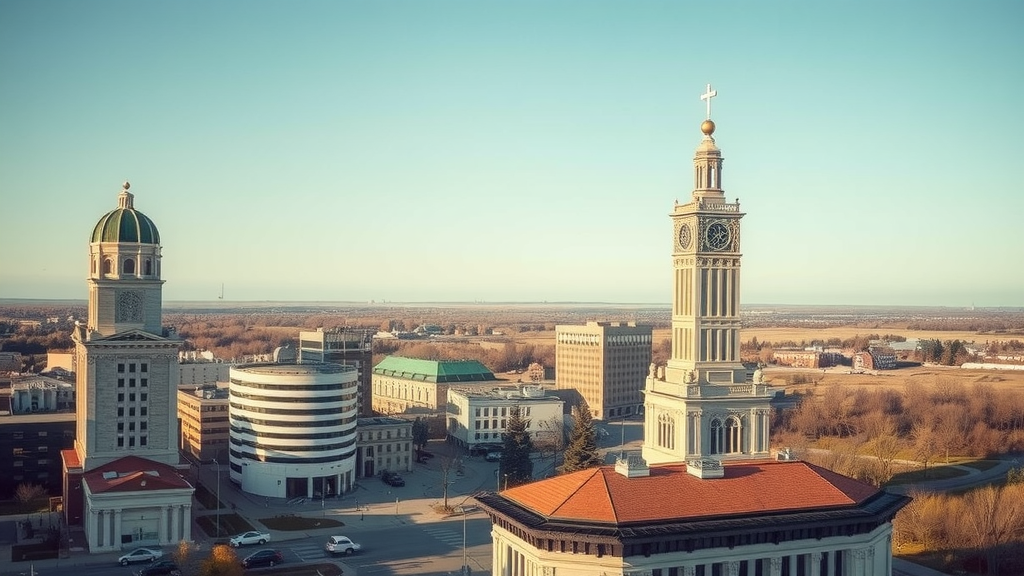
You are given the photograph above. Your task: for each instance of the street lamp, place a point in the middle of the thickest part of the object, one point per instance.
(218, 495)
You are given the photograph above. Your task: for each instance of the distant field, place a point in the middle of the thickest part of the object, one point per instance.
(796, 334)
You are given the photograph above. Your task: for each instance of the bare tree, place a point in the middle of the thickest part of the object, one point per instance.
(27, 492)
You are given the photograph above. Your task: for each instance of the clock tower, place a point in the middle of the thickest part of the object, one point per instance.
(702, 403)
(126, 377)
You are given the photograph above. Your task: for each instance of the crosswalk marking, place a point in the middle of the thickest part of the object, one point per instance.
(309, 551)
(447, 536)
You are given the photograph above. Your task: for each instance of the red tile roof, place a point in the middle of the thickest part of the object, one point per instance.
(670, 493)
(133, 474)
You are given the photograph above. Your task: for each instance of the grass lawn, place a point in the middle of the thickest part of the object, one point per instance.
(981, 465)
(299, 523)
(12, 507)
(230, 524)
(206, 498)
(932, 473)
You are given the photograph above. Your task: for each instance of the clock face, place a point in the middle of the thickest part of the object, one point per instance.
(717, 236)
(684, 237)
(129, 306)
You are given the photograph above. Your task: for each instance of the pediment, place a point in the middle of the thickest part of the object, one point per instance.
(135, 336)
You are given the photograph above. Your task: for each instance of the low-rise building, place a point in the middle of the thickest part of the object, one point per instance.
(480, 417)
(806, 358)
(875, 358)
(205, 430)
(200, 368)
(414, 386)
(385, 443)
(30, 448)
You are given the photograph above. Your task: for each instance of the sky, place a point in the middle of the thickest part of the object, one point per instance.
(528, 151)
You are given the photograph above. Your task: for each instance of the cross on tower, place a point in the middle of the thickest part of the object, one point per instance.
(708, 96)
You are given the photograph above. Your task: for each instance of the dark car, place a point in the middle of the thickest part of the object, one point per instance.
(263, 558)
(161, 568)
(391, 479)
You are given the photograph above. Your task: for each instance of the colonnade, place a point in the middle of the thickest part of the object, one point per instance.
(864, 560)
(103, 526)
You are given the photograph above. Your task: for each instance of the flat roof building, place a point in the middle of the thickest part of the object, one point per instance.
(479, 417)
(607, 363)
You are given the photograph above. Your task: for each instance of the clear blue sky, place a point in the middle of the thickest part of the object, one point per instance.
(427, 150)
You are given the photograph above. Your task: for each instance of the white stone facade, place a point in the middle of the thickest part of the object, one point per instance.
(859, 555)
(477, 417)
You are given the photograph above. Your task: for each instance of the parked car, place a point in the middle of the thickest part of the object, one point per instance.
(391, 478)
(251, 537)
(493, 456)
(341, 545)
(161, 568)
(266, 557)
(140, 555)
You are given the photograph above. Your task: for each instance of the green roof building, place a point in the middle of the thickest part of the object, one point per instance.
(411, 385)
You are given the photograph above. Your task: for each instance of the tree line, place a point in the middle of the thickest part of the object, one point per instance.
(924, 422)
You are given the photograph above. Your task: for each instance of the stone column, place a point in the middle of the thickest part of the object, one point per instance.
(815, 560)
(859, 562)
(92, 529)
(775, 566)
(162, 534)
(732, 568)
(175, 521)
(104, 538)
(689, 571)
(187, 513)
(117, 530)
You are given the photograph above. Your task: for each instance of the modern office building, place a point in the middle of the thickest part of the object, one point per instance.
(606, 363)
(123, 480)
(704, 499)
(293, 429)
(420, 387)
(205, 430)
(479, 417)
(345, 346)
(385, 443)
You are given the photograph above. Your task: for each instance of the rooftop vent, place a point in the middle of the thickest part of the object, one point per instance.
(705, 468)
(632, 465)
(786, 454)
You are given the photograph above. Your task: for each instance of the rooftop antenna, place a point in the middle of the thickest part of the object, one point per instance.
(221, 297)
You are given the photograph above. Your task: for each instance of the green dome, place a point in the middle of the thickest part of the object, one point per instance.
(125, 224)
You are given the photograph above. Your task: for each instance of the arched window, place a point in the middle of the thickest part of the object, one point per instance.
(108, 266)
(717, 439)
(128, 267)
(148, 270)
(666, 431)
(94, 266)
(733, 435)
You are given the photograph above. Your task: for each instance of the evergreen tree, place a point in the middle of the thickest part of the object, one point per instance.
(420, 433)
(515, 467)
(581, 453)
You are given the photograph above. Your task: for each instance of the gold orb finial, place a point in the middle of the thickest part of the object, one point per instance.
(707, 127)
(126, 185)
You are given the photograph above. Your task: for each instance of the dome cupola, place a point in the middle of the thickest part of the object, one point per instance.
(125, 223)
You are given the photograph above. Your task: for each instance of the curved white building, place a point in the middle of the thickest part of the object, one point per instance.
(293, 429)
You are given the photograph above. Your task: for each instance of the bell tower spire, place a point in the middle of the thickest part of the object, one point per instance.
(702, 403)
